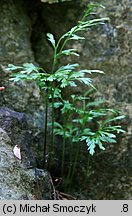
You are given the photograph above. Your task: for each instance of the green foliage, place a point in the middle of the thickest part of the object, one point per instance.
(82, 126)
(50, 37)
(87, 122)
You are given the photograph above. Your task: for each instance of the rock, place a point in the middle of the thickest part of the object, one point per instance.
(14, 123)
(15, 33)
(17, 182)
(16, 48)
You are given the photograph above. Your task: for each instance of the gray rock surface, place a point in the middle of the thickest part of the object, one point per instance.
(18, 180)
(15, 124)
(16, 48)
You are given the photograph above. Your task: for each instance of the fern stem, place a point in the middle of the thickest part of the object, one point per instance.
(70, 166)
(63, 152)
(52, 105)
(45, 130)
(74, 166)
(54, 60)
(64, 142)
(53, 119)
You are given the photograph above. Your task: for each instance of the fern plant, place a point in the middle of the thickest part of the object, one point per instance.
(51, 84)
